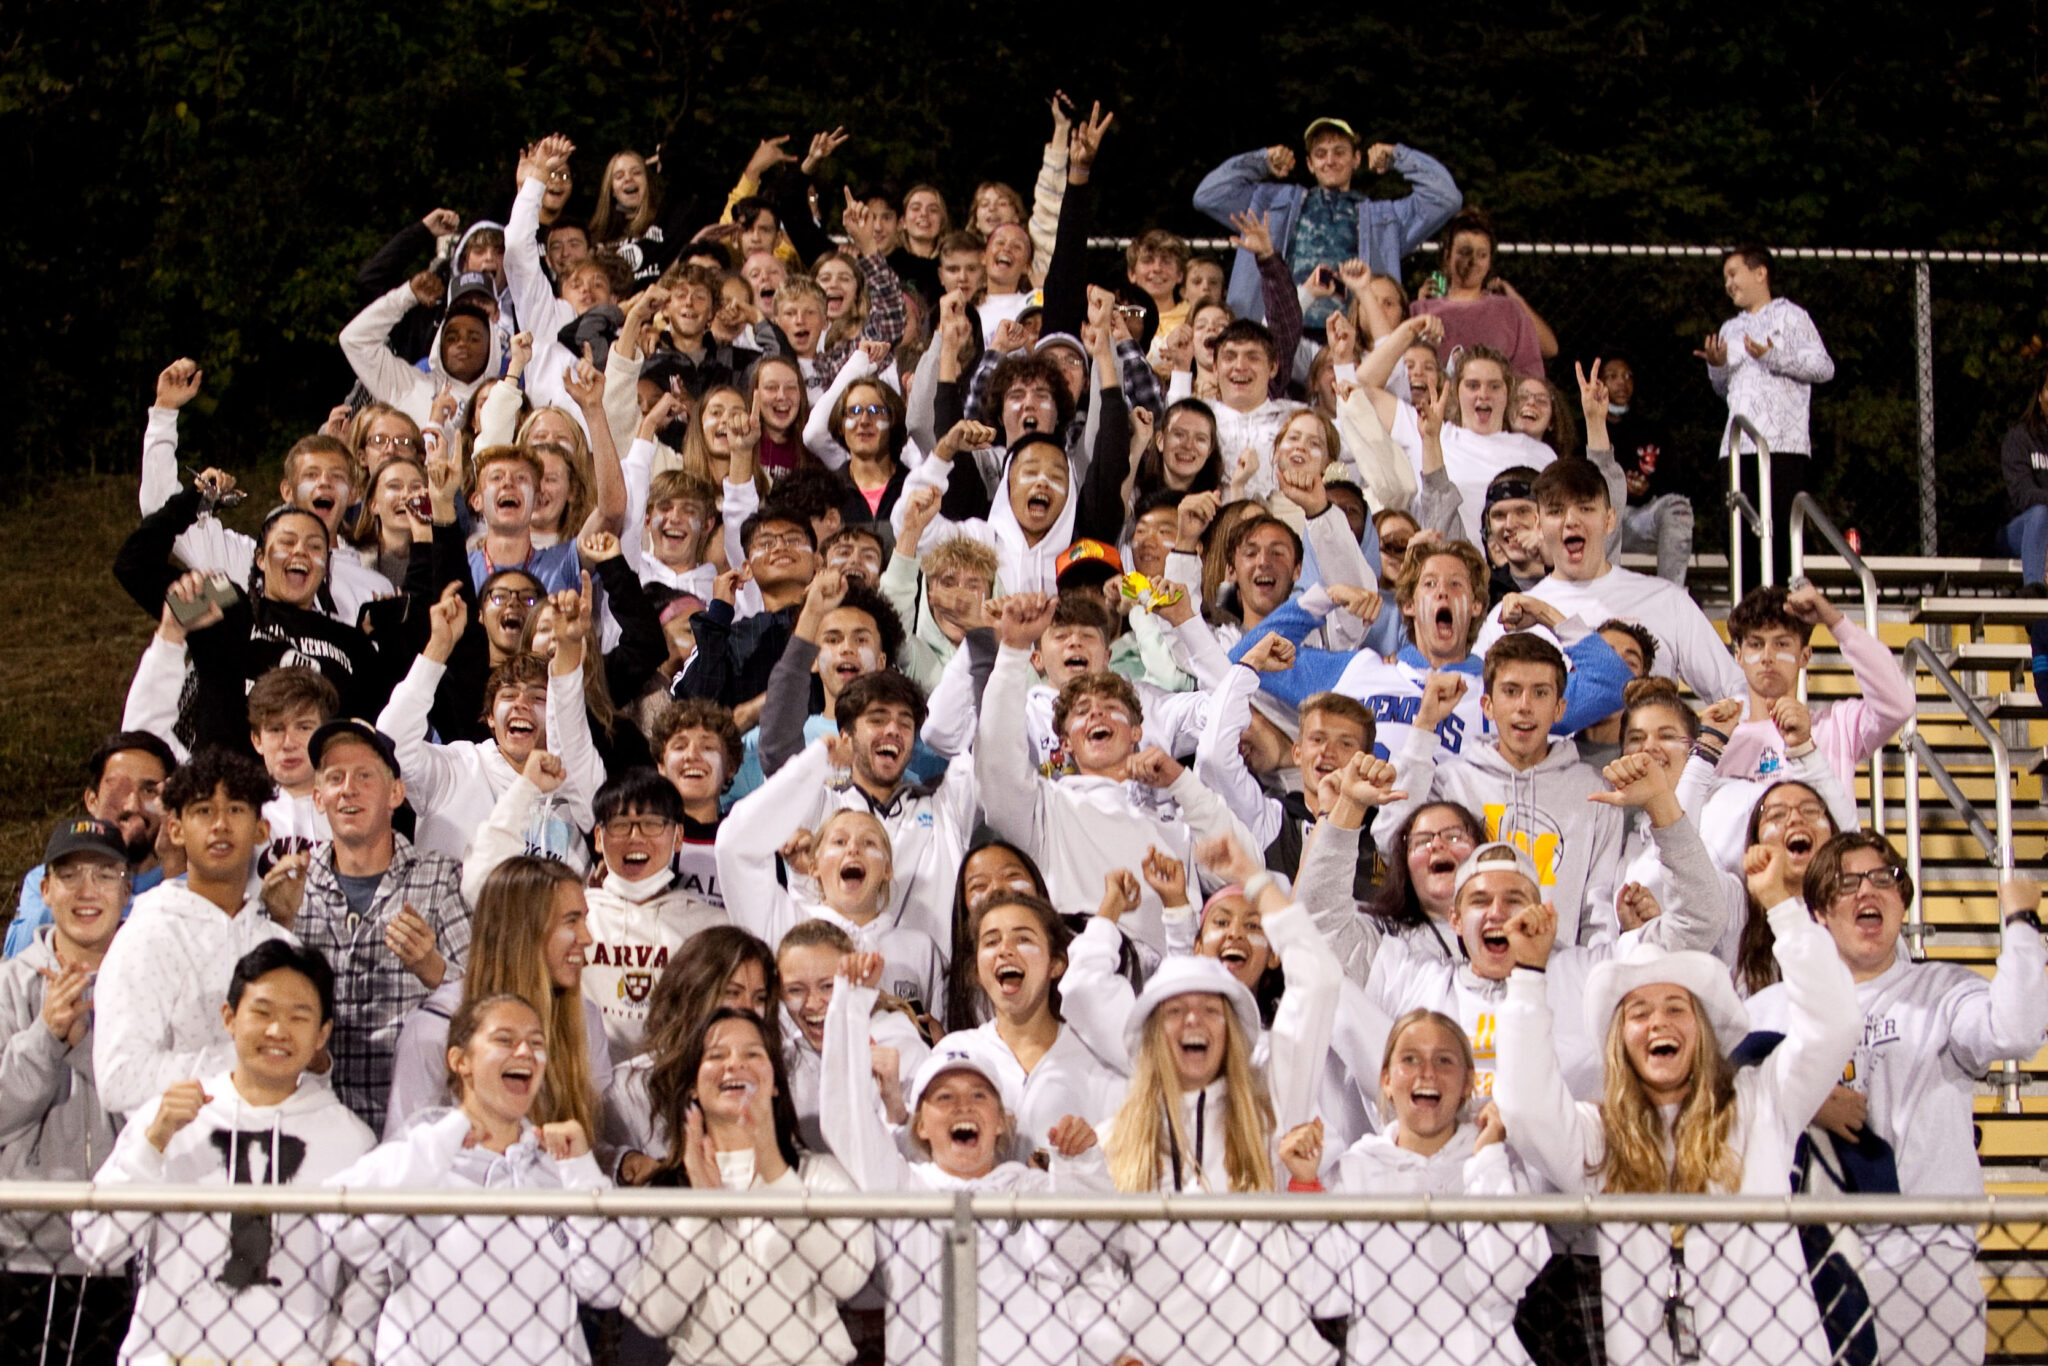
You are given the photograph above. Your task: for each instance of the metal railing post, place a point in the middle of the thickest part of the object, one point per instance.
(1923, 356)
(1741, 510)
(960, 1303)
(1916, 914)
(1805, 510)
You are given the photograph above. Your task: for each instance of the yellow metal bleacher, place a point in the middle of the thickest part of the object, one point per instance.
(1970, 614)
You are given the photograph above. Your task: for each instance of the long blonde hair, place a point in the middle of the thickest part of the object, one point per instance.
(696, 452)
(506, 957)
(608, 224)
(1705, 1159)
(1137, 1141)
(576, 504)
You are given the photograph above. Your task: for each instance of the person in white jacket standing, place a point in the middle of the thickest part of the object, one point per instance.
(242, 1287)
(733, 1292)
(1675, 1117)
(480, 1290)
(1930, 1030)
(1201, 1116)
(1079, 829)
(157, 1000)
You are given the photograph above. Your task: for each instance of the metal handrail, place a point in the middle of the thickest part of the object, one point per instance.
(1998, 845)
(1805, 510)
(1741, 510)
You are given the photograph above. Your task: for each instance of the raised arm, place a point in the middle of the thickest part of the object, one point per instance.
(1558, 1138)
(849, 1104)
(1217, 761)
(1010, 784)
(752, 835)
(2009, 1017)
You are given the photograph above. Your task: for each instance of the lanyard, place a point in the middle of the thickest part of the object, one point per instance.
(1678, 1321)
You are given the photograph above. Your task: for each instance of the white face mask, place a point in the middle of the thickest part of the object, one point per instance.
(644, 889)
(1617, 409)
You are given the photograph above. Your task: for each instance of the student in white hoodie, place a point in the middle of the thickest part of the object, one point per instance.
(1528, 785)
(1083, 827)
(160, 986)
(484, 1289)
(1930, 1030)
(1417, 1292)
(1576, 516)
(639, 916)
(1674, 1116)
(807, 967)
(730, 1292)
(962, 1109)
(848, 863)
(242, 1287)
(1201, 1116)
(527, 702)
(468, 348)
(52, 1124)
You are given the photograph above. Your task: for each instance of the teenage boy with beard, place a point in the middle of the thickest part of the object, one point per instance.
(1104, 818)
(929, 825)
(388, 916)
(454, 786)
(1528, 785)
(1441, 592)
(1577, 518)
(124, 789)
(157, 999)
(697, 748)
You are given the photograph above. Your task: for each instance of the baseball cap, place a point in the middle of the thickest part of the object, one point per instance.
(359, 729)
(472, 282)
(1495, 856)
(1338, 124)
(967, 1051)
(85, 835)
(1091, 561)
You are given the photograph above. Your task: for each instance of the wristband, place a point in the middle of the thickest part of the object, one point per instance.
(1304, 1187)
(1718, 735)
(2024, 918)
(1256, 885)
(1531, 967)
(1802, 750)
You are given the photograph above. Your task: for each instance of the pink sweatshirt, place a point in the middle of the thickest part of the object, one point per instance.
(1846, 732)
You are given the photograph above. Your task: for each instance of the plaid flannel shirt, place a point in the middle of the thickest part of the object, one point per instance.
(373, 991)
(888, 316)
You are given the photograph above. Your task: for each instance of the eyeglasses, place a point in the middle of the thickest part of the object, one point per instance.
(866, 410)
(377, 440)
(1810, 812)
(99, 874)
(638, 827)
(774, 540)
(505, 597)
(1880, 880)
(1451, 837)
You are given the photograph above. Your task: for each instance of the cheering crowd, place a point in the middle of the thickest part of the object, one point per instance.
(754, 707)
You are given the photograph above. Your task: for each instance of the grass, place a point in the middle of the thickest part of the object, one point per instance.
(69, 639)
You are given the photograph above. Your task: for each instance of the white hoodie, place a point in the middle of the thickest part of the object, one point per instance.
(160, 989)
(1428, 1292)
(389, 377)
(1027, 1303)
(1022, 566)
(236, 1287)
(1543, 810)
(481, 1290)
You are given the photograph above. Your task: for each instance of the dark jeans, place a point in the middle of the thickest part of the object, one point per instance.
(77, 1335)
(1788, 481)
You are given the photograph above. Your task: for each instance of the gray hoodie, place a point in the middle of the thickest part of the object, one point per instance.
(52, 1125)
(1576, 843)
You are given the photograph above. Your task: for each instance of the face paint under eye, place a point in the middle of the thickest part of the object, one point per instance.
(1760, 653)
(868, 659)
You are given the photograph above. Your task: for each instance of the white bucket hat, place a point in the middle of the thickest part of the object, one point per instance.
(1642, 965)
(1183, 975)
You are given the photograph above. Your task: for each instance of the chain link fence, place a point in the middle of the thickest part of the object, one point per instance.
(318, 1275)
(1979, 356)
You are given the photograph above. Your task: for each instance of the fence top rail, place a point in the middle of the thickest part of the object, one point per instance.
(65, 1197)
(1708, 252)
